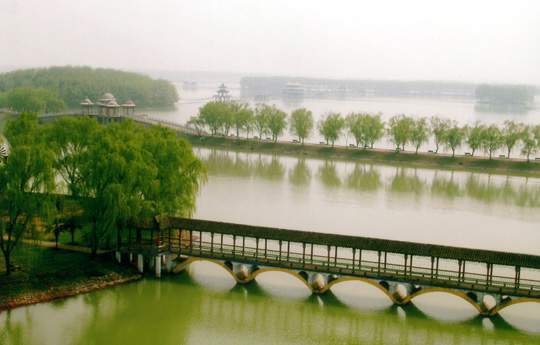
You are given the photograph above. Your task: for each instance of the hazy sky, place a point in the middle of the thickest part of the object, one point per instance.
(470, 40)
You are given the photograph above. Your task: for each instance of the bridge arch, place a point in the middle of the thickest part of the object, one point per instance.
(510, 302)
(183, 265)
(362, 280)
(295, 274)
(461, 294)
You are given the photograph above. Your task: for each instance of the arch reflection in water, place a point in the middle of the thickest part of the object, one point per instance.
(185, 313)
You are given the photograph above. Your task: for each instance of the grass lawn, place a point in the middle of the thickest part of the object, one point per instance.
(41, 270)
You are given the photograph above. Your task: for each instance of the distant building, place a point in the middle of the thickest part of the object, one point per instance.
(108, 107)
(222, 94)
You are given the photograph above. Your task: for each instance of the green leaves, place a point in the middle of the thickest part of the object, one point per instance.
(400, 129)
(301, 123)
(29, 99)
(28, 170)
(331, 127)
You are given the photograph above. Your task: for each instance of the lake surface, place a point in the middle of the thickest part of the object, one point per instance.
(203, 305)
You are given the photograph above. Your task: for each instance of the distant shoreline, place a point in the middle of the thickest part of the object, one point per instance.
(384, 156)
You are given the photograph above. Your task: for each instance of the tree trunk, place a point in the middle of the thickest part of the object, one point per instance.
(56, 235)
(490, 155)
(508, 155)
(472, 154)
(416, 152)
(453, 153)
(7, 261)
(436, 147)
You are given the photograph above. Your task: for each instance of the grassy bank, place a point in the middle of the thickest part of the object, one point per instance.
(45, 274)
(430, 160)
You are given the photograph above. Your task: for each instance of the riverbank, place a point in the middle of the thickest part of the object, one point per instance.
(428, 160)
(44, 274)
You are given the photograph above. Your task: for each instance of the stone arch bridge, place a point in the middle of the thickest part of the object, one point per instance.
(489, 280)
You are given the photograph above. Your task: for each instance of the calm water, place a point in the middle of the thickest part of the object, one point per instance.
(203, 306)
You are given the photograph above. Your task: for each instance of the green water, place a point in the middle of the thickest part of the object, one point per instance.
(203, 306)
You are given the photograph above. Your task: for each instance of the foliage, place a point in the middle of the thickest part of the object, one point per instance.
(365, 128)
(73, 84)
(475, 136)
(454, 137)
(419, 133)
(301, 123)
(37, 100)
(242, 116)
(277, 121)
(28, 170)
(260, 121)
(531, 140)
(331, 127)
(400, 129)
(511, 134)
(439, 128)
(214, 115)
(492, 139)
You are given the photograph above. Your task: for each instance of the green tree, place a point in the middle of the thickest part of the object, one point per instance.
(400, 130)
(242, 117)
(492, 139)
(260, 120)
(26, 172)
(530, 137)
(301, 123)
(277, 122)
(69, 138)
(419, 133)
(454, 137)
(197, 124)
(212, 114)
(511, 134)
(374, 129)
(36, 100)
(72, 84)
(475, 136)
(331, 127)
(439, 127)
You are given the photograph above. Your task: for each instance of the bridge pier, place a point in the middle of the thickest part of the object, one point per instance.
(140, 263)
(157, 265)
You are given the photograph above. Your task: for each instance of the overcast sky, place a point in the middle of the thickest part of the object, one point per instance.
(426, 39)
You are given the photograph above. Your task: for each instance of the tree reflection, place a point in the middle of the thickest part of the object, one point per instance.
(446, 187)
(300, 175)
(516, 191)
(364, 178)
(328, 174)
(406, 183)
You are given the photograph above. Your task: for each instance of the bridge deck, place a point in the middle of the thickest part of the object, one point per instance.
(421, 264)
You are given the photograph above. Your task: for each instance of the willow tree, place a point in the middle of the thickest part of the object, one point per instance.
(331, 127)
(27, 172)
(301, 123)
(474, 136)
(277, 121)
(419, 133)
(454, 137)
(439, 128)
(511, 134)
(399, 129)
(492, 139)
(130, 172)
